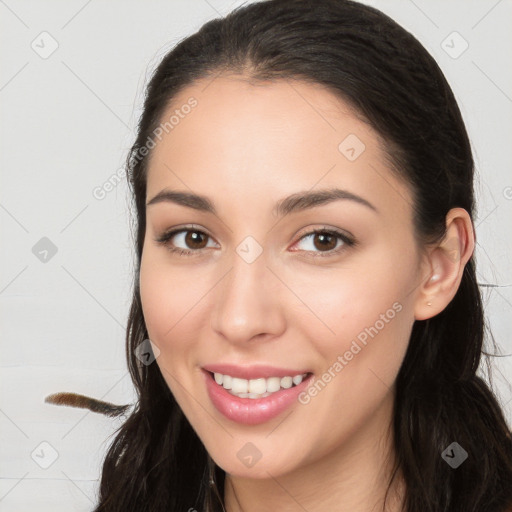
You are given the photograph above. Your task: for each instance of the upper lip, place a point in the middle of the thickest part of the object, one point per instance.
(253, 371)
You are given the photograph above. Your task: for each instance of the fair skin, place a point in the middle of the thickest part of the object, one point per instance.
(245, 146)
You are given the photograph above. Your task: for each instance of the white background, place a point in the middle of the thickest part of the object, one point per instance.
(67, 122)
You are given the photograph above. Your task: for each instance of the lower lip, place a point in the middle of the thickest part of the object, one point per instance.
(252, 411)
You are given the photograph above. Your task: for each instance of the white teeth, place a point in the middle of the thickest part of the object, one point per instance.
(227, 381)
(286, 382)
(239, 385)
(273, 384)
(256, 388)
(297, 379)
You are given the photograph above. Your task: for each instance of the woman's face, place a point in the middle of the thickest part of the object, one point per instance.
(257, 288)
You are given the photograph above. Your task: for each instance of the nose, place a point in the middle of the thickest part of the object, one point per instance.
(248, 303)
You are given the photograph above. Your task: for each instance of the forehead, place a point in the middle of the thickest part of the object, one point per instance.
(250, 139)
(275, 115)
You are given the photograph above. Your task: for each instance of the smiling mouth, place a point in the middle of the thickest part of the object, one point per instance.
(257, 388)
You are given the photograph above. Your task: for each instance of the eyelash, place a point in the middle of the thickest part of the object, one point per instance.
(347, 241)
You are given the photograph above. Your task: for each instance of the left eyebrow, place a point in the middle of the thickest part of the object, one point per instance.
(305, 200)
(299, 201)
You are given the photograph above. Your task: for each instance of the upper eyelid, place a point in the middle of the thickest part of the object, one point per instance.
(335, 231)
(175, 231)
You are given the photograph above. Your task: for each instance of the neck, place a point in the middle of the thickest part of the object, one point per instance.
(352, 478)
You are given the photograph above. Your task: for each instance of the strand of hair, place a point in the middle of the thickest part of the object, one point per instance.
(86, 402)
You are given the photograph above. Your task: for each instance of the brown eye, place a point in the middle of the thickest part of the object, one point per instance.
(195, 239)
(324, 242)
(185, 241)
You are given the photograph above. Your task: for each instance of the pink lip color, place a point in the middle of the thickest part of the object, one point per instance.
(249, 411)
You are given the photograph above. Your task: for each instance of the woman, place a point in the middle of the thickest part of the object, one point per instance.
(303, 183)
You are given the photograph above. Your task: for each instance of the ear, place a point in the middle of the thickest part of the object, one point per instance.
(444, 265)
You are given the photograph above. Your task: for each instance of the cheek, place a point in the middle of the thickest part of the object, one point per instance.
(359, 341)
(155, 295)
(363, 311)
(346, 299)
(167, 308)
(167, 295)
(176, 305)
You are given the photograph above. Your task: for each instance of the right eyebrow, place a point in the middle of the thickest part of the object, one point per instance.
(188, 199)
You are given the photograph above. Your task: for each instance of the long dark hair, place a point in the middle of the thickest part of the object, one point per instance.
(156, 461)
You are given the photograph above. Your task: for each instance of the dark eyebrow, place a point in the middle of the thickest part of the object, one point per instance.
(296, 202)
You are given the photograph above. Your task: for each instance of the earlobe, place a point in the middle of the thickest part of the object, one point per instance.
(445, 264)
